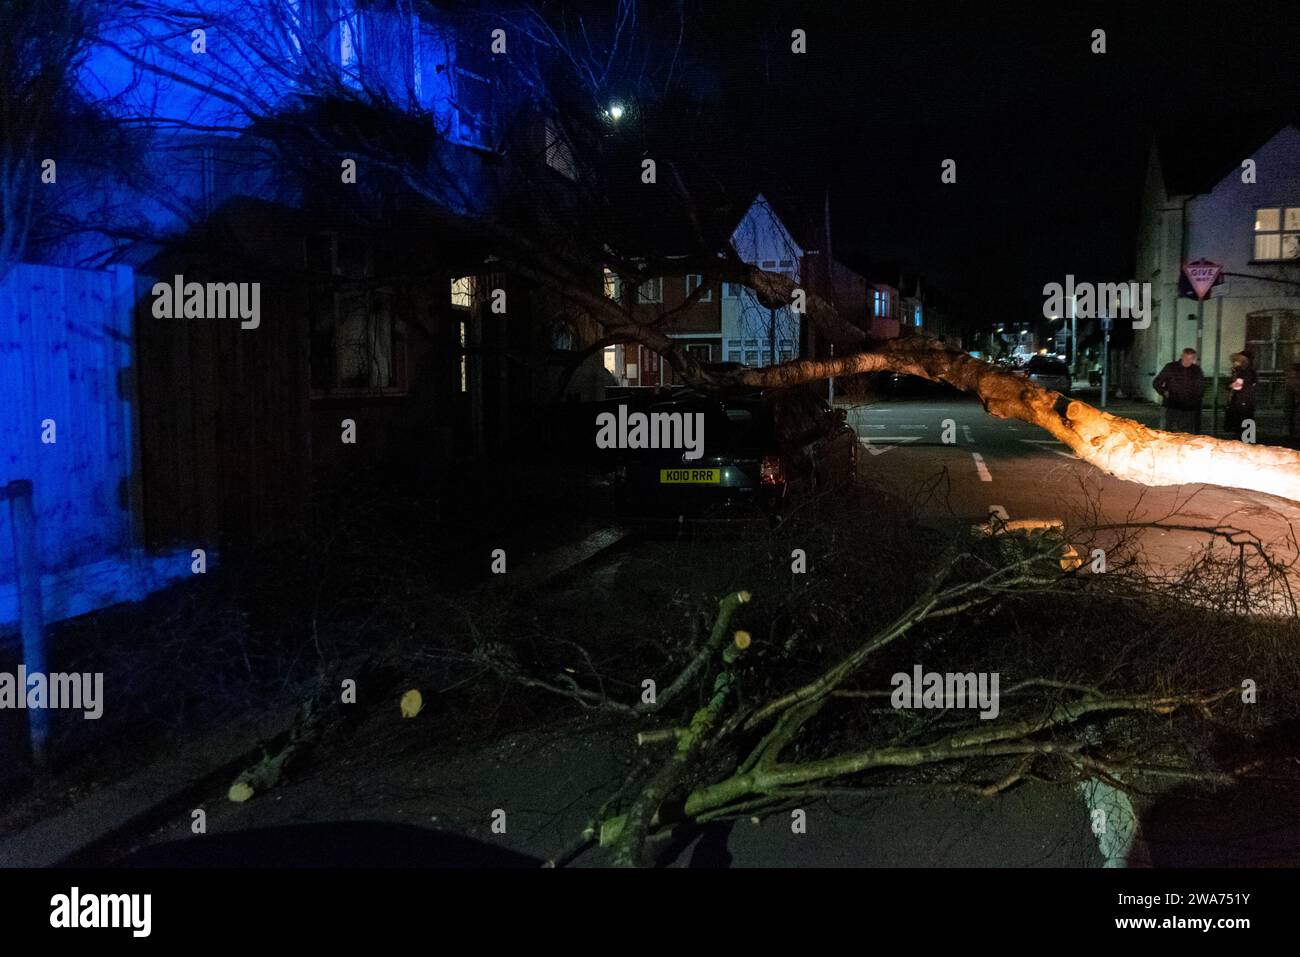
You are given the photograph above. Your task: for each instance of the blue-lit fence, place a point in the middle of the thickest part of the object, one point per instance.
(67, 426)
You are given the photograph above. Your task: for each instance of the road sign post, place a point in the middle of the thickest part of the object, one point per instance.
(1202, 275)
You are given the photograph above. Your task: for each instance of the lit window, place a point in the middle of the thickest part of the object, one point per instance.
(1277, 233)
(464, 363)
(652, 290)
(462, 292)
(611, 285)
(693, 282)
(611, 359)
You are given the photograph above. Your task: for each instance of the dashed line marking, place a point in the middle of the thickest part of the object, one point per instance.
(981, 467)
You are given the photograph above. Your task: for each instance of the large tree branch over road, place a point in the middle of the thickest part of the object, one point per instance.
(1118, 446)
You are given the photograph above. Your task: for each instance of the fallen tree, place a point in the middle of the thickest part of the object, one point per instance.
(784, 699)
(1118, 446)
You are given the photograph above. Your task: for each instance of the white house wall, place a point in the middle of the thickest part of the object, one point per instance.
(1220, 228)
(763, 240)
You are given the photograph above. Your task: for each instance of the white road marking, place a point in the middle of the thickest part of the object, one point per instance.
(966, 434)
(981, 467)
(1068, 455)
(1000, 512)
(882, 449)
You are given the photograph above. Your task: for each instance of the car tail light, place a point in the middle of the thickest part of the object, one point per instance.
(771, 471)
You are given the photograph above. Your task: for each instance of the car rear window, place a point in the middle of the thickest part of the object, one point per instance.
(729, 427)
(1047, 367)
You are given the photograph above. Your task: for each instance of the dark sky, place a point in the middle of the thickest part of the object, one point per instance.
(1050, 139)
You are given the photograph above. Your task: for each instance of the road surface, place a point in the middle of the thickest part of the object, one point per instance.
(959, 463)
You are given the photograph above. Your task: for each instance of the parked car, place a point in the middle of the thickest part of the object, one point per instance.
(761, 453)
(1049, 373)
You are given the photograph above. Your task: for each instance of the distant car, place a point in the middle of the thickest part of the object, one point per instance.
(762, 452)
(1049, 373)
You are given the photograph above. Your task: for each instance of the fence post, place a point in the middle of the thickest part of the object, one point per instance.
(30, 611)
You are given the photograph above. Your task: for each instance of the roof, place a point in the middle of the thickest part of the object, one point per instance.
(1193, 159)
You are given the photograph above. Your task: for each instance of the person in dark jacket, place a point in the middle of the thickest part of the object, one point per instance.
(1181, 384)
(1241, 393)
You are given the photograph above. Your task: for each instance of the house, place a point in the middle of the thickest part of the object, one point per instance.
(886, 310)
(387, 344)
(698, 323)
(753, 334)
(727, 322)
(1239, 206)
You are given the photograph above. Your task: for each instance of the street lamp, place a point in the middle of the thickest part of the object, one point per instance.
(615, 112)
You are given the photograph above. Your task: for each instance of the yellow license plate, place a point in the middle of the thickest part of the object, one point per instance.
(690, 476)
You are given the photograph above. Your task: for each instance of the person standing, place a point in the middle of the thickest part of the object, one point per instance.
(1181, 385)
(1241, 393)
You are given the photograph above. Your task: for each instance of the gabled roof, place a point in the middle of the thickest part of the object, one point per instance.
(1194, 158)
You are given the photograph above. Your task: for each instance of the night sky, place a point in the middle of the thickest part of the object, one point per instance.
(1050, 139)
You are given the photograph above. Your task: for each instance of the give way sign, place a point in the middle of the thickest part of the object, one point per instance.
(1202, 274)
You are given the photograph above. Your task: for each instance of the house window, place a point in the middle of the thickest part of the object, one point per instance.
(611, 285)
(693, 282)
(652, 290)
(464, 358)
(703, 352)
(559, 155)
(611, 360)
(473, 92)
(462, 292)
(751, 357)
(733, 350)
(353, 345)
(1277, 233)
(1274, 338)
(787, 350)
(732, 290)
(877, 306)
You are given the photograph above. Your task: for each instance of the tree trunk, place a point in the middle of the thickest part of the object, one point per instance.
(1120, 447)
